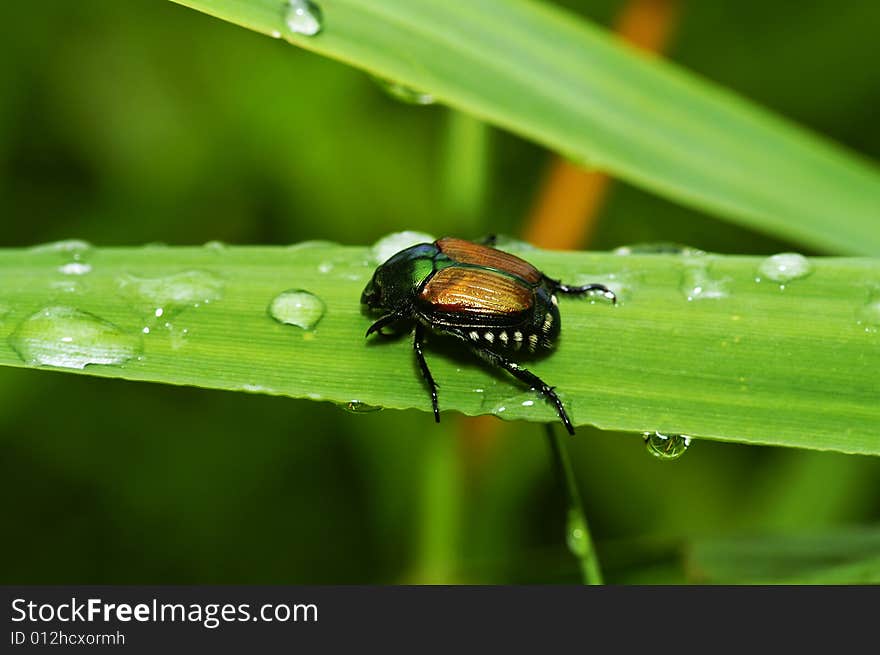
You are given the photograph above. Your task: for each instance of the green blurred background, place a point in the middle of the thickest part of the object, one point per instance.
(137, 122)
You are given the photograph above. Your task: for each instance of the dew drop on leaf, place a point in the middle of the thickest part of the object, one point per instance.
(297, 307)
(303, 17)
(403, 93)
(667, 447)
(868, 315)
(69, 338)
(784, 267)
(393, 243)
(358, 407)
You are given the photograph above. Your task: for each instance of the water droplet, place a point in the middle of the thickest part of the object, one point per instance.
(512, 244)
(303, 17)
(75, 268)
(255, 388)
(404, 93)
(667, 447)
(784, 267)
(170, 294)
(216, 246)
(524, 405)
(66, 286)
(659, 248)
(358, 407)
(325, 267)
(393, 243)
(297, 307)
(70, 338)
(576, 536)
(699, 283)
(869, 314)
(74, 249)
(312, 243)
(621, 283)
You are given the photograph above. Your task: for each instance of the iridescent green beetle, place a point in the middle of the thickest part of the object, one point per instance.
(501, 306)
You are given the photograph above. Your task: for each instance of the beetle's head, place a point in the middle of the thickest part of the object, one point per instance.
(394, 282)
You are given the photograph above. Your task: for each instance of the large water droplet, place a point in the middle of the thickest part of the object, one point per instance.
(576, 535)
(784, 267)
(667, 447)
(70, 338)
(297, 307)
(393, 243)
(698, 282)
(404, 93)
(869, 314)
(174, 292)
(358, 407)
(303, 17)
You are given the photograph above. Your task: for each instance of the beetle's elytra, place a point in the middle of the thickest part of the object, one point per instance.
(501, 306)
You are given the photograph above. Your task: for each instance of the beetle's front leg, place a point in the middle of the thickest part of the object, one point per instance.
(418, 336)
(385, 321)
(568, 290)
(529, 378)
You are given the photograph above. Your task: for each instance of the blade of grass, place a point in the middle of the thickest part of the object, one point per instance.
(578, 537)
(844, 557)
(550, 76)
(792, 367)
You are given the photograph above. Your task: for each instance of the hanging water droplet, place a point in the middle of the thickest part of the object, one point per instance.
(173, 293)
(698, 282)
(303, 17)
(70, 338)
(659, 248)
(404, 93)
(297, 307)
(667, 447)
(358, 407)
(392, 244)
(784, 267)
(869, 314)
(576, 536)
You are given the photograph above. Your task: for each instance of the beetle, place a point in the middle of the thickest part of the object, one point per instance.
(501, 306)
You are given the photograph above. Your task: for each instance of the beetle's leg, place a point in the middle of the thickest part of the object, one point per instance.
(529, 378)
(568, 290)
(385, 321)
(423, 365)
(488, 240)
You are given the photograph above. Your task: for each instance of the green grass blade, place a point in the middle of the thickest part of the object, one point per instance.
(792, 367)
(550, 76)
(844, 557)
